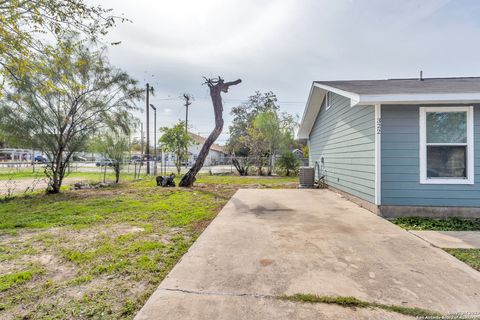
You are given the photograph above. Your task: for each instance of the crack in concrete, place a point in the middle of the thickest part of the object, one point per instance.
(339, 301)
(211, 293)
(424, 240)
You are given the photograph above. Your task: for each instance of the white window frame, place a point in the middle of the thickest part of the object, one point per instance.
(423, 146)
(328, 100)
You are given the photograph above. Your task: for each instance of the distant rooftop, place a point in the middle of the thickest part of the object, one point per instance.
(407, 86)
(201, 140)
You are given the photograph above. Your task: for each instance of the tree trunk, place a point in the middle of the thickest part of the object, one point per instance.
(241, 168)
(57, 173)
(178, 165)
(117, 172)
(217, 86)
(55, 184)
(270, 161)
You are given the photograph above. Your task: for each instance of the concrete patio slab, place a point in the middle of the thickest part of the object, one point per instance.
(282, 242)
(450, 239)
(165, 304)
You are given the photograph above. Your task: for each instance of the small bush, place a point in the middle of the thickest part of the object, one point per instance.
(288, 163)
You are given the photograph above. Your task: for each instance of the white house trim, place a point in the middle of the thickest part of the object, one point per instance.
(354, 98)
(312, 108)
(431, 98)
(328, 100)
(423, 146)
(378, 154)
(426, 98)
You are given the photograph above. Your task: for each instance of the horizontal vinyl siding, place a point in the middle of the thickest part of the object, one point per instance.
(345, 136)
(401, 164)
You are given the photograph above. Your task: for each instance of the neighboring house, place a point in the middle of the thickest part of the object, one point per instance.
(400, 146)
(217, 154)
(299, 154)
(17, 155)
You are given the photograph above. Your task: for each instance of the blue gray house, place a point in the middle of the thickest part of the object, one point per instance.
(399, 146)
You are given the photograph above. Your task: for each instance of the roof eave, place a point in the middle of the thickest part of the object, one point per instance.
(311, 110)
(309, 113)
(429, 98)
(354, 97)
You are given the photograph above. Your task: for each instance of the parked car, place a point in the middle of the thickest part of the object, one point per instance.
(147, 157)
(40, 159)
(134, 159)
(78, 158)
(105, 162)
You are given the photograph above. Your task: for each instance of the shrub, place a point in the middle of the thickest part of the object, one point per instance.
(287, 163)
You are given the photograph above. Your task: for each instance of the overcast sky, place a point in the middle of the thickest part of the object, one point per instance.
(284, 45)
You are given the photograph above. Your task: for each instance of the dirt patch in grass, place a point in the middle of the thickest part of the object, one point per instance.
(55, 269)
(101, 253)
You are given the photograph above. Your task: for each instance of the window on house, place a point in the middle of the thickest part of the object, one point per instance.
(328, 100)
(446, 145)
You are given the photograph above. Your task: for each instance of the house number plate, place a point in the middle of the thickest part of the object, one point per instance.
(379, 125)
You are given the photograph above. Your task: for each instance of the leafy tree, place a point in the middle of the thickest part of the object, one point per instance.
(136, 145)
(259, 131)
(24, 22)
(243, 116)
(288, 162)
(70, 95)
(257, 145)
(3, 137)
(305, 151)
(176, 140)
(113, 146)
(276, 132)
(268, 125)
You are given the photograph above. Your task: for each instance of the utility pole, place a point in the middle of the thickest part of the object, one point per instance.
(148, 129)
(154, 138)
(141, 153)
(187, 99)
(141, 140)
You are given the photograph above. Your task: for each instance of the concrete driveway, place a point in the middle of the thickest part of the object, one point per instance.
(267, 243)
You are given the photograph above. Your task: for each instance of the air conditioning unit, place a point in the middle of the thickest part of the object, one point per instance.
(307, 177)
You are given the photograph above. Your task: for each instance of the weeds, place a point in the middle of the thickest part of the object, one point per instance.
(354, 302)
(469, 256)
(447, 224)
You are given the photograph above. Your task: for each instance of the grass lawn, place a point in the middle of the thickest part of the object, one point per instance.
(101, 253)
(469, 256)
(446, 224)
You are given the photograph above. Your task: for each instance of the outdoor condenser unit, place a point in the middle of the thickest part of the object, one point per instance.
(307, 177)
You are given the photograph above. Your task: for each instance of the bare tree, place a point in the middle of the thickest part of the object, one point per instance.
(216, 86)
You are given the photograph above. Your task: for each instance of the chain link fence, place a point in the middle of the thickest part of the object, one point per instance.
(23, 177)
